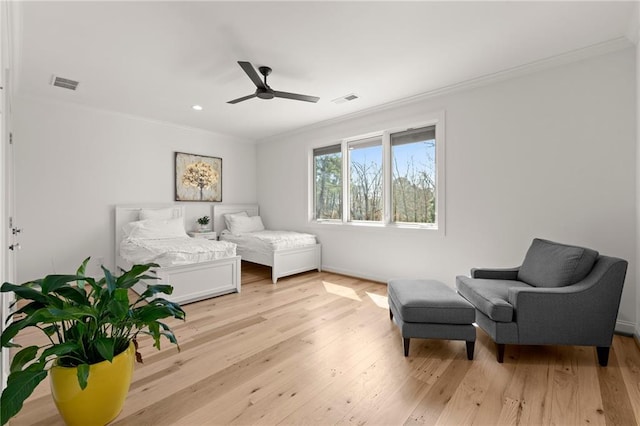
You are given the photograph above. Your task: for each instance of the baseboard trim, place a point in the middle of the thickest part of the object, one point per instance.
(625, 327)
(353, 274)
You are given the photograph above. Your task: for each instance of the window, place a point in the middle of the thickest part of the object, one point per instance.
(327, 171)
(413, 165)
(365, 179)
(391, 178)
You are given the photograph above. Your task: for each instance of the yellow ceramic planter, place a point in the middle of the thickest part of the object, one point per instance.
(102, 399)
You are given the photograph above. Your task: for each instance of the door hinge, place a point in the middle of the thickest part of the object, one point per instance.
(10, 222)
(10, 138)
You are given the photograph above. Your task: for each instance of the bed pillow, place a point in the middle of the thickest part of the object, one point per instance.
(155, 229)
(227, 217)
(242, 225)
(157, 214)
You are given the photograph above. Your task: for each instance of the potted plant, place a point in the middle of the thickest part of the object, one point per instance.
(203, 222)
(91, 327)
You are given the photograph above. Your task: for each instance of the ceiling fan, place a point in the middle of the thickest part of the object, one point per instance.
(263, 90)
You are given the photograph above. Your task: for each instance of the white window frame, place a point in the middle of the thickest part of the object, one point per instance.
(437, 120)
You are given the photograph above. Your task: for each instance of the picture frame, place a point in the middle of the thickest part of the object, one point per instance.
(198, 178)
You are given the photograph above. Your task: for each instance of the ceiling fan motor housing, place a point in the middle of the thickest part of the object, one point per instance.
(264, 93)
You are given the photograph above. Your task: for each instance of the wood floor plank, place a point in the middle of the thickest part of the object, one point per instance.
(465, 403)
(491, 406)
(629, 363)
(527, 398)
(319, 348)
(615, 399)
(435, 401)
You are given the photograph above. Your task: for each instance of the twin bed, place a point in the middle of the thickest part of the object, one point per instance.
(286, 252)
(196, 268)
(199, 268)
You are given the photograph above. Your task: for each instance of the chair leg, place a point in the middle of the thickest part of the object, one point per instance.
(500, 353)
(470, 346)
(405, 343)
(603, 355)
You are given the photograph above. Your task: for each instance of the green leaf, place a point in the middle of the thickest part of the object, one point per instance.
(12, 329)
(20, 385)
(69, 313)
(155, 289)
(111, 282)
(119, 305)
(147, 314)
(75, 294)
(24, 292)
(83, 375)
(83, 267)
(51, 330)
(28, 309)
(168, 333)
(105, 347)
(135, 272)
(59, 350)
(23, 357)
(154, 330)
(54, 282)
(92, 282)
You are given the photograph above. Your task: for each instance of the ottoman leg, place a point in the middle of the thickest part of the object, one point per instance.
(390, 314)
(470, 346)
(405, 342)
(500, 352)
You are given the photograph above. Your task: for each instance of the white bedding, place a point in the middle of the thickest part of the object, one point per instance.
(266, 241)
(174, 251)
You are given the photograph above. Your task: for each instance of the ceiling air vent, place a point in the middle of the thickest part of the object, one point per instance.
(65, 83)
(345, 98)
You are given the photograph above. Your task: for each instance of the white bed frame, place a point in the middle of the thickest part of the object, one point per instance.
(190, 283)
(283, 262)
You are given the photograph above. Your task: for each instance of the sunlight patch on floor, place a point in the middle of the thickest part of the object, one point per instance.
(340, 290)
(380, 301)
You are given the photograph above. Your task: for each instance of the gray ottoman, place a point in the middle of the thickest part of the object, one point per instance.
(429, 309)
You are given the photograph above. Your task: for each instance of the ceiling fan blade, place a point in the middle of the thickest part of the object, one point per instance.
(253, 75)
(244, 98)
(295, 96)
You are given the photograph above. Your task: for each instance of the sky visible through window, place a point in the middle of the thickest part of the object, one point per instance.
(423, 155)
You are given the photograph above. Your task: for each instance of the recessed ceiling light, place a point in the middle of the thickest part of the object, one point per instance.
(196, 107)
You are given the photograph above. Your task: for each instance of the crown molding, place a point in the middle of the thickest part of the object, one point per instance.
(576, 55)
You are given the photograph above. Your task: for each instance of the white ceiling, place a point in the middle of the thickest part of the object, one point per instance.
(156, 59)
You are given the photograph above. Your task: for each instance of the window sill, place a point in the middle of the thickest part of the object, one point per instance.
(374, 226)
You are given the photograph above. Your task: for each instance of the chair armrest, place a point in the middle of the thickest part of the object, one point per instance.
(495, 274)
(539, 297)
(580, 314)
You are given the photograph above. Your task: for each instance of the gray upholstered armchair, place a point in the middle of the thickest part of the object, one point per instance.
(561, 295)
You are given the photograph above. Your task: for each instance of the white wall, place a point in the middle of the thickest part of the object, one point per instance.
(74, 164)
(636, 37)
(550, 154)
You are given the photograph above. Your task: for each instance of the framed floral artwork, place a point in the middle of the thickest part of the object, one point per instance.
(198, 178)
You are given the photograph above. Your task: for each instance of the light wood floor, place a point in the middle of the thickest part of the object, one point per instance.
(318, 348)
